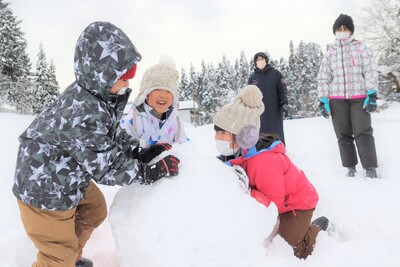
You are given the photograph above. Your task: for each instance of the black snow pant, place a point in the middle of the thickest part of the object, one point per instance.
(351, 123)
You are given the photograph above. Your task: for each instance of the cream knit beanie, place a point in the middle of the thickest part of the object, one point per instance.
(160, 76)
(242, 116)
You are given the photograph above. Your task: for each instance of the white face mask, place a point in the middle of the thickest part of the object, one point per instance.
(261, 64)
(224, 147)
(342, 35)
(122, 90)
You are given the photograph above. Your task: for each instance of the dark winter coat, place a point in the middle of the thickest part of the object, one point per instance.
(77, 138)
(273, 87)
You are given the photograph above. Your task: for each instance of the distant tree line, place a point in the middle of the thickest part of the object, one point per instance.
(211, 86)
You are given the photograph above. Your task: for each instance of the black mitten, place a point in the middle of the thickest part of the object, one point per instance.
(149, 153)
(166, 167)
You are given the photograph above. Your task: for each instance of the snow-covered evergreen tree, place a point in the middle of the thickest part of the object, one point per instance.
(25, 92)
(225, 81)
(307, 66)
(194, 88)
(242, 71)
(283, 67)
(54, 88)
(185, 91)
(292, 78)
(14, 61)
(207, 93)
(301, 79)
(46, 84)
(381, 28)
(274, 63)
(5, 84)
(41, 79)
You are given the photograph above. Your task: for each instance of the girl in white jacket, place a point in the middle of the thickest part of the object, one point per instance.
(154, 116)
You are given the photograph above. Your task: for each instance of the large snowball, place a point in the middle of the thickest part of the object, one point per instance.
(199, 218)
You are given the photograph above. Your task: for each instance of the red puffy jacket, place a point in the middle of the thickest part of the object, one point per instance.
(273, 177)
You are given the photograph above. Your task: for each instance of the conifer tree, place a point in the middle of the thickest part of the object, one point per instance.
(194, 84)
(306, 67)
(54, 88)
(224, 81)
(46, 89)
(381, 29)
(208, 96)
(14, 61)
(25, 95)
(5, 84)
(283, 67)
(185, 91)
(194, 88)
(242, 71)
(292, 81)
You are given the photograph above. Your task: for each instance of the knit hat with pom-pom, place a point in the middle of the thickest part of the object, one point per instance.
(242, 116)
(160, 76)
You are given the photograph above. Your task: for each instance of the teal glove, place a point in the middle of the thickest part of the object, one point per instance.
(324, 107)
(370, 102)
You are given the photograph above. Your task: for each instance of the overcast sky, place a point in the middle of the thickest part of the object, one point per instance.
(188, 31)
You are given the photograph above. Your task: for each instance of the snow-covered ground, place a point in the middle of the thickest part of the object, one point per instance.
(202, 218)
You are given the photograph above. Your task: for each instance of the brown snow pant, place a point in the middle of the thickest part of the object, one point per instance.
(298, 232)
(61, 235)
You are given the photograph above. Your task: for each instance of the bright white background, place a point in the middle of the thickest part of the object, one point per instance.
(202, 218)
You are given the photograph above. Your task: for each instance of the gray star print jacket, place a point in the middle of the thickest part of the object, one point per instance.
(77, 138)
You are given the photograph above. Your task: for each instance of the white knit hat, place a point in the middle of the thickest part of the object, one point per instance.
(242, 116)
(160, 76)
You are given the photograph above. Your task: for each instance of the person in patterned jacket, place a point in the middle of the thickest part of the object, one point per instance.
(347, 88)
(77, 140)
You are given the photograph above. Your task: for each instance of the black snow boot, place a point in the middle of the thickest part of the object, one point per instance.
(351, 171)
(322, 222)
(84, 263)
(371, 173)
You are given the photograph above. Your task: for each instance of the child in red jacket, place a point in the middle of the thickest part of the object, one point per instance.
(266, 171)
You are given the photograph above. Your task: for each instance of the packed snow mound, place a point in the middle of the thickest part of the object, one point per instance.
(199, 218)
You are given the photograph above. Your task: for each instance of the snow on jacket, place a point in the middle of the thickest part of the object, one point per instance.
(78, 138)
(273, 87)
(347, 71)
(142, 124)
(274, 178)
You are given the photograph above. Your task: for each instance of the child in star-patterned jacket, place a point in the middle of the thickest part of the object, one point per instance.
(154, 116)
(77, 140)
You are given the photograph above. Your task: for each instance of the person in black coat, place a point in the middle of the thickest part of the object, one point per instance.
(273, 87)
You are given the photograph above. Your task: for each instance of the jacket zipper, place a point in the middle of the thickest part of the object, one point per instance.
(344, 75)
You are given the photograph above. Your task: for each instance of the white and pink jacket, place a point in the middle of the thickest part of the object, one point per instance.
(143, 125)
(347, 71)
